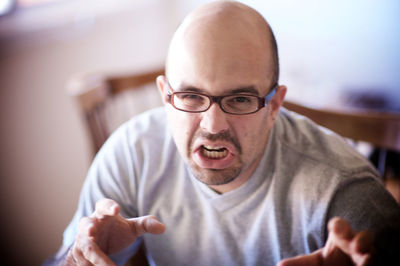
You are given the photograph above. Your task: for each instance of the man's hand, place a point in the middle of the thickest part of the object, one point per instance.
(107, 232)
(343, 247)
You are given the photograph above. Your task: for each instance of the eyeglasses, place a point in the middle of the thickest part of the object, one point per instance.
(236, 104)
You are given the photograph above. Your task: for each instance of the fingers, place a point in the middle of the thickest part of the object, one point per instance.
(340, 235)
(362, 242)
(92, 252)
(344, 236)
(358, 246)
(343, 247)
(362, 259)
(146, 224)
(106, 232)
(333, 258)
(362, 248)
(106, 207)
(340, 228)
(86, 252)
(78, 258)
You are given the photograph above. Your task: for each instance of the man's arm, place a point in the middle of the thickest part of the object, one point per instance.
(366, 205)
(346, 247)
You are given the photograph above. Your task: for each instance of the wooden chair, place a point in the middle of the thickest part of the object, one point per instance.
(380, 129)
(106, 101)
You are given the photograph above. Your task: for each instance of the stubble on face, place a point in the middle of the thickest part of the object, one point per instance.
(215, 177)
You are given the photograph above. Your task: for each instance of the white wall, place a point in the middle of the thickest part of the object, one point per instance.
(44, 146)
(336, 46)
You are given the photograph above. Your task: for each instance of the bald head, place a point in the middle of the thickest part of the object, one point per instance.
(224, 37)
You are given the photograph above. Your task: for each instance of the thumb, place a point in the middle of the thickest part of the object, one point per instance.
(313, 259)
(146, 224)
(340, 236)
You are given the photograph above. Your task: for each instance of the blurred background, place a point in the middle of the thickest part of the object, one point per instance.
(338, 53)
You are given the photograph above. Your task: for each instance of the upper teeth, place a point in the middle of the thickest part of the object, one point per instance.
(213, 148)
(214, 152)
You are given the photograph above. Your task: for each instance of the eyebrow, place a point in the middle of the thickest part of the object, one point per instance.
(247, 89)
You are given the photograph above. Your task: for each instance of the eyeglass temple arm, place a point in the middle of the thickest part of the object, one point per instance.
(271, 94)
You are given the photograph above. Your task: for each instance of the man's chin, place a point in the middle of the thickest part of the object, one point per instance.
(215, 177)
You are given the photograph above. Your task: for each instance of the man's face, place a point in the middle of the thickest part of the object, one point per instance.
(221, 149)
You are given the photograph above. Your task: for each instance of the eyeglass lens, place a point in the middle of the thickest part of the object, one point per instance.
(236, 104)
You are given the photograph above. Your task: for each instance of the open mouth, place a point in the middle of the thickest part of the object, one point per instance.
(213, 155)
(214, 152)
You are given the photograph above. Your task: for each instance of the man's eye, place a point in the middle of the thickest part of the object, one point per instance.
(239, 103)
(241, 99)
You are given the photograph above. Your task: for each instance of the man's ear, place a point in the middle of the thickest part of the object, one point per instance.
(161, 82)
(277, 101)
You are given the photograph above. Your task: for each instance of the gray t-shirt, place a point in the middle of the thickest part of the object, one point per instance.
(307, 175)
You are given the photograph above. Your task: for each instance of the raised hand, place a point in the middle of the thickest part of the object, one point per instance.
(106, 232)
(343, 247)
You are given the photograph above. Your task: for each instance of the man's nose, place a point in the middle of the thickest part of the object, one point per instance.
(214, 120)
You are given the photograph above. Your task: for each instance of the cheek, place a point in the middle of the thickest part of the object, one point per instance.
(252, 133)
(182, 126)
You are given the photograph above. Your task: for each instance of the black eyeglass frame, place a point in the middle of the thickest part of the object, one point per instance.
(262, 101)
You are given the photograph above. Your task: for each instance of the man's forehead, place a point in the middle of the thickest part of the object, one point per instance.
(215, 50)
(220, 75)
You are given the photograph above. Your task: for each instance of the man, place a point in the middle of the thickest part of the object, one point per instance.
(232, 178)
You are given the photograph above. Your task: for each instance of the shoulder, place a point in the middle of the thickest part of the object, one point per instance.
(148, 128)
(151, 123)
(319, 146)
(314, 164)
(131, 150)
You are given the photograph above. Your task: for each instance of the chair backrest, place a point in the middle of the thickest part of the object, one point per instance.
(106, 101)
(381, 129)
